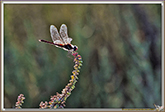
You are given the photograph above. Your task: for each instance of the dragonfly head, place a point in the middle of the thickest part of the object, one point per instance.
(75, 48)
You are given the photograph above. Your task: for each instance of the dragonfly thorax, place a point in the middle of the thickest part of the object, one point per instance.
(70, 47)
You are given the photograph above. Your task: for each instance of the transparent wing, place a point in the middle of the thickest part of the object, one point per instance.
(55, 35)
(64, 34)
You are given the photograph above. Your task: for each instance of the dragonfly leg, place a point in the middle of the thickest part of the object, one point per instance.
(69, 55)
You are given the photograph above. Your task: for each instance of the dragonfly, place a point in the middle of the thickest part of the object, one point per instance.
(62, 40)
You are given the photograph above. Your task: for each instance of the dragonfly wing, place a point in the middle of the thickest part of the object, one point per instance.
(64, 34)
(69, 40)
(55, 35)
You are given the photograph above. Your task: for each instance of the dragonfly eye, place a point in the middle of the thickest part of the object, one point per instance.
(75, 48)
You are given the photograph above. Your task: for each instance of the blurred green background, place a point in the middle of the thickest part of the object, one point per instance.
(120, 46)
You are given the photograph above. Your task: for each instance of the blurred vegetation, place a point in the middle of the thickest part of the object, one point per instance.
(120, 46)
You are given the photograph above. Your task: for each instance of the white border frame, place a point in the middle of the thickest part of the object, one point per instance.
(81, 2)
(2, 56)
(162, 54)
(72, 2)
